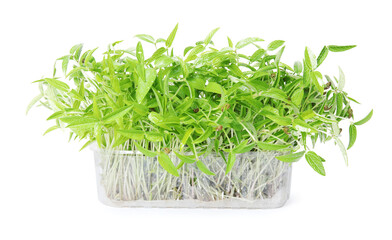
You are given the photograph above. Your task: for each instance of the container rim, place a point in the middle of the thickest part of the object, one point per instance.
(94, 147)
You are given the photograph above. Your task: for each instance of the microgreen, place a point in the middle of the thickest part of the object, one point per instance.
(206, 101)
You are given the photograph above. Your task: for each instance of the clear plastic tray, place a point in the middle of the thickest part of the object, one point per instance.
(129, 179)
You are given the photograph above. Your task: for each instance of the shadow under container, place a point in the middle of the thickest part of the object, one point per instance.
(130, 179)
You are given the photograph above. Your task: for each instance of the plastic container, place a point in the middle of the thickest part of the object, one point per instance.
(129, 179)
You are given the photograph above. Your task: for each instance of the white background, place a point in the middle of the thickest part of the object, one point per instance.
(47, 187)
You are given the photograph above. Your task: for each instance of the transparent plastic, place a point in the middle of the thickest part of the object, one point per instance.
(129, 179)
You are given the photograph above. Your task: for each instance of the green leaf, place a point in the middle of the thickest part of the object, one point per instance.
(204, 137)
(324, 119)
(70, 119)
(144, 151)
(310, 59)
(146, 38)
(76, 50)
(186, 136)
(186, 159)
(276, 94)
(156, 54)
(187, 49)
(243, 147)
(298, 67)
(342, 80)
(170, 120)
(230, 162)
(184, 67)
(236, 71)
(74, 94)
(247, 41)
(272, 146)
(335, 129)
(270, 109)
(334, 48)
(82, 123)
(33, 102)
(308, 114)
(293, 157)
(196, 50)
(203, 168)
(352, 99)
(342, 149)
(119, 113)
(170, 39)
(278, 56)
(283, 121)
(166, 163)
(86, 145)
(322, 56)
(132, 134)
(353, 135)
(75, 70)
(339, 103)
(285, 66)
(365, 119)
(315, 162)
(297, 96)
(306, 75)
(163, 61)
(154, 136)
(88, 57)
(258, 85)
(140, 53)
(250, 128)
(214, 87)
(315, 81)
(50, 129)
(145, 85)
(264, 71)
(140, 109)
(113, 77)
(55, 115)
(98, 134)
(155, 118)
(96, 111)
(275, 45)
(303, 126)
(257, 54)
(207, 40)
(58, 84)
(64, 64)
(230, 42)
(185, 105)
(160, 40)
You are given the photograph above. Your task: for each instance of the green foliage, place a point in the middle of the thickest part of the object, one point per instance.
(203, 168)
(365, 119)
(315, 161)
(167, 164)
(353, 135)
(275, 44)
(209, 101)
(170, 39)
(247, 41)
(334, 48)
(322, 56)
(294, 157)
